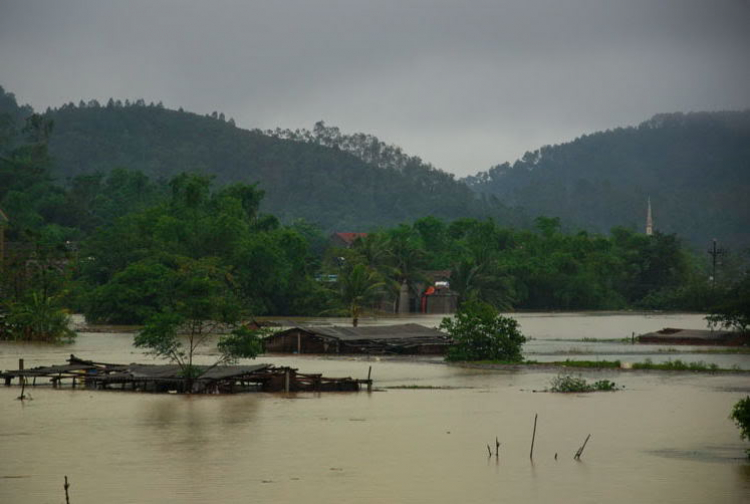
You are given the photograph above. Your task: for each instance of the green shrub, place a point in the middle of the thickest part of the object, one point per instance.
(479, 332)
(35, 318)
(741, 416)
(566, 383)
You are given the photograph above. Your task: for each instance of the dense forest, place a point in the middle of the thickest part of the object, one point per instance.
(695, 168)
(328, 185)
(123, 247)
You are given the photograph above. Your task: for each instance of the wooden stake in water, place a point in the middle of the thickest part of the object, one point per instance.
(66, 486)
(578, 454)
(23, 388)
(533, 437)
(489, 450)
(497, 447)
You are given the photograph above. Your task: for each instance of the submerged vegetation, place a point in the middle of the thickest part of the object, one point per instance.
(677, 365)
(37, 318)
(741, 416)
(566, 383)
(479, 332)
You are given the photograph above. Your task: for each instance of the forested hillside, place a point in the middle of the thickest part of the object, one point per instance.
(124, 247)
(694, 167)
(323, 184)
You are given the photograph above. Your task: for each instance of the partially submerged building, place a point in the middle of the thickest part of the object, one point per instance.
(672, 336)
(170, 378)
(407, 339)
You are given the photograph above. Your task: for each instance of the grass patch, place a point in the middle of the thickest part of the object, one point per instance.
(566, 383)
(597, 364)
(678, 365)
(420, 387)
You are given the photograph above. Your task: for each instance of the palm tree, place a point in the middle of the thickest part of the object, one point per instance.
(358, 287)
(38, 318)
(407, 259)
(483, 282)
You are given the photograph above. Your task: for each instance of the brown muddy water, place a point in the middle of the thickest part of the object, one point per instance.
(664, 438)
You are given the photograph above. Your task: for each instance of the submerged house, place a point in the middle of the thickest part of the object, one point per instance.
(407, 339)
(170, 378)
(672, 336)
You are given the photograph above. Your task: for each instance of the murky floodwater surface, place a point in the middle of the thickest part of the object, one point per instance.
(664, 438)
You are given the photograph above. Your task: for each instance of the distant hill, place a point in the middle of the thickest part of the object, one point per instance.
(695, 168)
(322, 184)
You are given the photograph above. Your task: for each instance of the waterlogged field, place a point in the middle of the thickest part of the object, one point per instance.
(420, 437)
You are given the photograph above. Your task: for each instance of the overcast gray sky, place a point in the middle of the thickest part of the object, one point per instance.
(464, 85)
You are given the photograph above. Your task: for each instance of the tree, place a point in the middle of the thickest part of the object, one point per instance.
(741, 416)
(202, 301)
(35, 318)
(734, 313)
(479, 332)
(358, 287)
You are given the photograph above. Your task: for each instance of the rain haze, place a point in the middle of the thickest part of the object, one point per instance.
(463, 85)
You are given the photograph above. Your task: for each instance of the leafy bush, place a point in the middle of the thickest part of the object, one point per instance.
(36, 318)
(741, 416)
(566, 383)
(479, 332)
(734, 312)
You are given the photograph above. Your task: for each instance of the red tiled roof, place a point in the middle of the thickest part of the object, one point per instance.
(350, 237)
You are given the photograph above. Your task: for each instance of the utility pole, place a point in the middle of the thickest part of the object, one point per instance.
(715, 252)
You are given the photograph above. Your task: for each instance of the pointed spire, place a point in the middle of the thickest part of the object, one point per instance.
(649, 220)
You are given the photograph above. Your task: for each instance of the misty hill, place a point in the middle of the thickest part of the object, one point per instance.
(321, 183)
(695, 168)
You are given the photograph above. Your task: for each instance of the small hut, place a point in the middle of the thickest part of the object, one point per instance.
(407, 339)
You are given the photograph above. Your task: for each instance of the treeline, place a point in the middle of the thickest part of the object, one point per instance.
(540, 269)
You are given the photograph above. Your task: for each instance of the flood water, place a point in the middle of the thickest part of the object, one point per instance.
(664, 438)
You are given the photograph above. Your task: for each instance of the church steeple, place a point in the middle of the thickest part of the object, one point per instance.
(649, 220)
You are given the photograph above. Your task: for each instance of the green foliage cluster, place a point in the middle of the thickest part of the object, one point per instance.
(741, 416)
(692, 166)
(537, 269)
(566, 383)
(734, 311)
(133, 267)
(202, 300)
(35, 318)
(479, 332)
